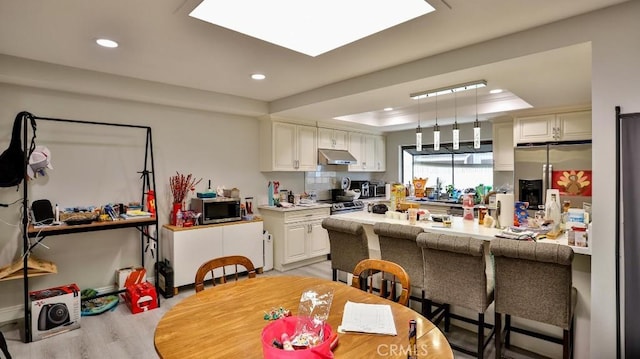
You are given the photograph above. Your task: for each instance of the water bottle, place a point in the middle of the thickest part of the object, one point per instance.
(553, 212)
(179, 219)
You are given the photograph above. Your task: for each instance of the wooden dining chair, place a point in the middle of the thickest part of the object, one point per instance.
(224, 263)
(395, 274)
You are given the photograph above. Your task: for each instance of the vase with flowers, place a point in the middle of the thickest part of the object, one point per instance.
(180, 186)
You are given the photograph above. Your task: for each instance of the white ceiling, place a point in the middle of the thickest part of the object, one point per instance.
(160, 42)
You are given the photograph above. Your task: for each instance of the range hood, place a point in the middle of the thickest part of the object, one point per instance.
(335, 157)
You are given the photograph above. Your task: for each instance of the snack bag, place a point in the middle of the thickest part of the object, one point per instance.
(419, 185)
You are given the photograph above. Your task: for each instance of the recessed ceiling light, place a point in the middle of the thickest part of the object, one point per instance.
(107, 43)
(496, 91)
(258, 76)
(309, 27)
(388, 108)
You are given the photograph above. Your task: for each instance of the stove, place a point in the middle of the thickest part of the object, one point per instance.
(344, 207)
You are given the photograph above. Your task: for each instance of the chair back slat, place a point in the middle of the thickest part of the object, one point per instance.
(238, 262)
(368, 268)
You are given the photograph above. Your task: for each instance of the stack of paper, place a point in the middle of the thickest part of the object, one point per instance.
(368, 318)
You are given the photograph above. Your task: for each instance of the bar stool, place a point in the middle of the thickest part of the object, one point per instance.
(398, 245)
(455, 274)
(348, 242)
(533, 281)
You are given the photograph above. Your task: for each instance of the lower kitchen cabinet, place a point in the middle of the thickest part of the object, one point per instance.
(298, 236)
(187, 248)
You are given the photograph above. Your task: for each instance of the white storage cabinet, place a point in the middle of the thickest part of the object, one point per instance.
(188, 248)
(298, 236)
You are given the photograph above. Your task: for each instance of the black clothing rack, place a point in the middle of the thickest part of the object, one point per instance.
(148, 183)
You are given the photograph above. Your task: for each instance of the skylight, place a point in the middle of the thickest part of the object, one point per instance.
(309, 27)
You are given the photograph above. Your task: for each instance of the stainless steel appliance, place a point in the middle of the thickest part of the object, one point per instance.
(377, 189)
(344, 207)
(363, 186)
(565, 166)
(217, 210)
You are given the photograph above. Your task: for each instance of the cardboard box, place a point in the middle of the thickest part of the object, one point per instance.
(141, 297)
(54, 311)
(123, 274)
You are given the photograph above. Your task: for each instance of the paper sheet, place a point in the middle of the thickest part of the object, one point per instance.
(368, 318)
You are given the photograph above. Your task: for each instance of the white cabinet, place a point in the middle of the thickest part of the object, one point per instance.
(298, 236)
(333, 139)
(569, 126)
(503, 146)
(188, 248)
(380, 159)
(369, 151)
(245, 240)
(288, 147)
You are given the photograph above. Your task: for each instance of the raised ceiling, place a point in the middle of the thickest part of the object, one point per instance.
(159, 42)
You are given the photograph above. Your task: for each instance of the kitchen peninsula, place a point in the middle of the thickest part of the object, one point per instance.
(581, 277)
(459, 226)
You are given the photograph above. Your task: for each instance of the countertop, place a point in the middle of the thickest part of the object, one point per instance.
(459, 226)
(200, 226)
(294, 208)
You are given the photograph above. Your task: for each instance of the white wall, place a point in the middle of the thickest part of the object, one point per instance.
(94, 165)
(615, 82)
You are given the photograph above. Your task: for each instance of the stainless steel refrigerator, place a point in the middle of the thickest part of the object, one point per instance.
(565, 166)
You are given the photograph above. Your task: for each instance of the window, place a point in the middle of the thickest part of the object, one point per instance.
(463, 168)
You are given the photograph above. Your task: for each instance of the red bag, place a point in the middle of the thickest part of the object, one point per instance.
(275, 329)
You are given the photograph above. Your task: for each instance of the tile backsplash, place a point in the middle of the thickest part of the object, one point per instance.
(323, 181)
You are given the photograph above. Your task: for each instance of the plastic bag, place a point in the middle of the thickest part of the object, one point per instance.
(313, 311)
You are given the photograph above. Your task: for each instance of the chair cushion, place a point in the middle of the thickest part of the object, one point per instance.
(455, 271)
(398, 245)
(348, 243)
(397, 231)
(455, 244)
(541, 252)
(343, 226)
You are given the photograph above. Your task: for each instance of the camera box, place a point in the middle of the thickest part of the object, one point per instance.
(54, 311)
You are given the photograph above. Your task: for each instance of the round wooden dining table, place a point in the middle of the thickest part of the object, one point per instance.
(226, 321)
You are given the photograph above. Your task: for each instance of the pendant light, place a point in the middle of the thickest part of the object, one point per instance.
(456, 130)
(476, 126)
(419, 131)
(436, 130)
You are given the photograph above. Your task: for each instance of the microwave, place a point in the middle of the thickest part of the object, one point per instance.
(377, 190)
(217, 210)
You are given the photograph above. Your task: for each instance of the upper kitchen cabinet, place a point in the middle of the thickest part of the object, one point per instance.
(332, 139)
(503, 145)
(568, 126)
(381, 154)
(369, 150)
(288, 147)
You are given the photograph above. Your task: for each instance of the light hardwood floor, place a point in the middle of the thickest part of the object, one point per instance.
(120, 334)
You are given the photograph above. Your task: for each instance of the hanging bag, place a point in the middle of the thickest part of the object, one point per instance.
(12, 160)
